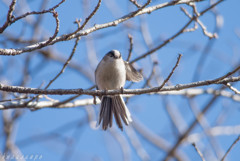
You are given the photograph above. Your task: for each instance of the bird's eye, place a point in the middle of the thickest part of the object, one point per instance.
(111, 54)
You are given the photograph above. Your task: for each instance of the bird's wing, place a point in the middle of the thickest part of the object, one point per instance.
(131, 73)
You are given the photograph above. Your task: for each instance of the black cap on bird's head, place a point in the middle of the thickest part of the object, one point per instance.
(115, 54)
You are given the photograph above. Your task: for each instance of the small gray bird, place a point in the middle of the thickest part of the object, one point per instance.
(112, 73)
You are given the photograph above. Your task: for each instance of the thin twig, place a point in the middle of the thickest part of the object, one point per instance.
(27, 14)
(10, 11)
(169, 76)
(208, 47)
(131, 47)
(37, 24)
(135, 141)
(62, 70)
(230, 148)
(14, 99)
(205, 32)
(56, 57)
(123, 143)
(135, 3)
(183, 29)
(204, 124)
(9, 16)
(164, 43)
(66, 63)
(55, 15)
(186, 12)
(235, 90)
(198, 151)
(204, 28)
(188, 15)
(70, 99)
(155, 139)
(87, 19)
(191, 126)
(147, 82)
(38, 45)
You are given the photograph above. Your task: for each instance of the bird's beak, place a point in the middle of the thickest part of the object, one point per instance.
(117, 57)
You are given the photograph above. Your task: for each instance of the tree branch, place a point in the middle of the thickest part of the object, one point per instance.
(15, 103)
(230, 148)
(183, 29)
(27, 90)
(39, 45)
(11, 20)
(198, 151)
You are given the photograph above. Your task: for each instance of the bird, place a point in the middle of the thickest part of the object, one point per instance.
(112, 73)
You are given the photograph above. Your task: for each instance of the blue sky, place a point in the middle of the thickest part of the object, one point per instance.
(90, 144)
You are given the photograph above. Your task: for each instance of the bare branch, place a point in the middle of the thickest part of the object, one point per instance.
(183, 29)
(49, 104)
(230, 148)
(137, 144)
(12, 103)
(153, 72)
(191, 126)
(163, 44)
(195, 24)
(198, 151)
(12, 52)
(87, 19)
(26, 90)
(169, 76)
(204, 29)
(9, 16)
(197, 14)
(235, 90)
(135, 3)
(214, 131)
(199, 117)
(123, 143)
(66, 63)
(42, 49)
(130, 48)
(10, 11)
(155, 139)
(55, 15)
(13, 20)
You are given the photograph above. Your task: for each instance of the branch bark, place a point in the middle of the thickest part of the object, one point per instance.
(80, 91)
(39, 45)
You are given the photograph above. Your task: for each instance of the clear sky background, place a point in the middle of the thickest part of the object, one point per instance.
(37, 132)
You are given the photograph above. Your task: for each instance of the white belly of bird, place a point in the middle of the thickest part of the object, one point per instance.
(113, 74)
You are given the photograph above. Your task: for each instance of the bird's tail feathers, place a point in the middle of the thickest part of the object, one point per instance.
(110, 106)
